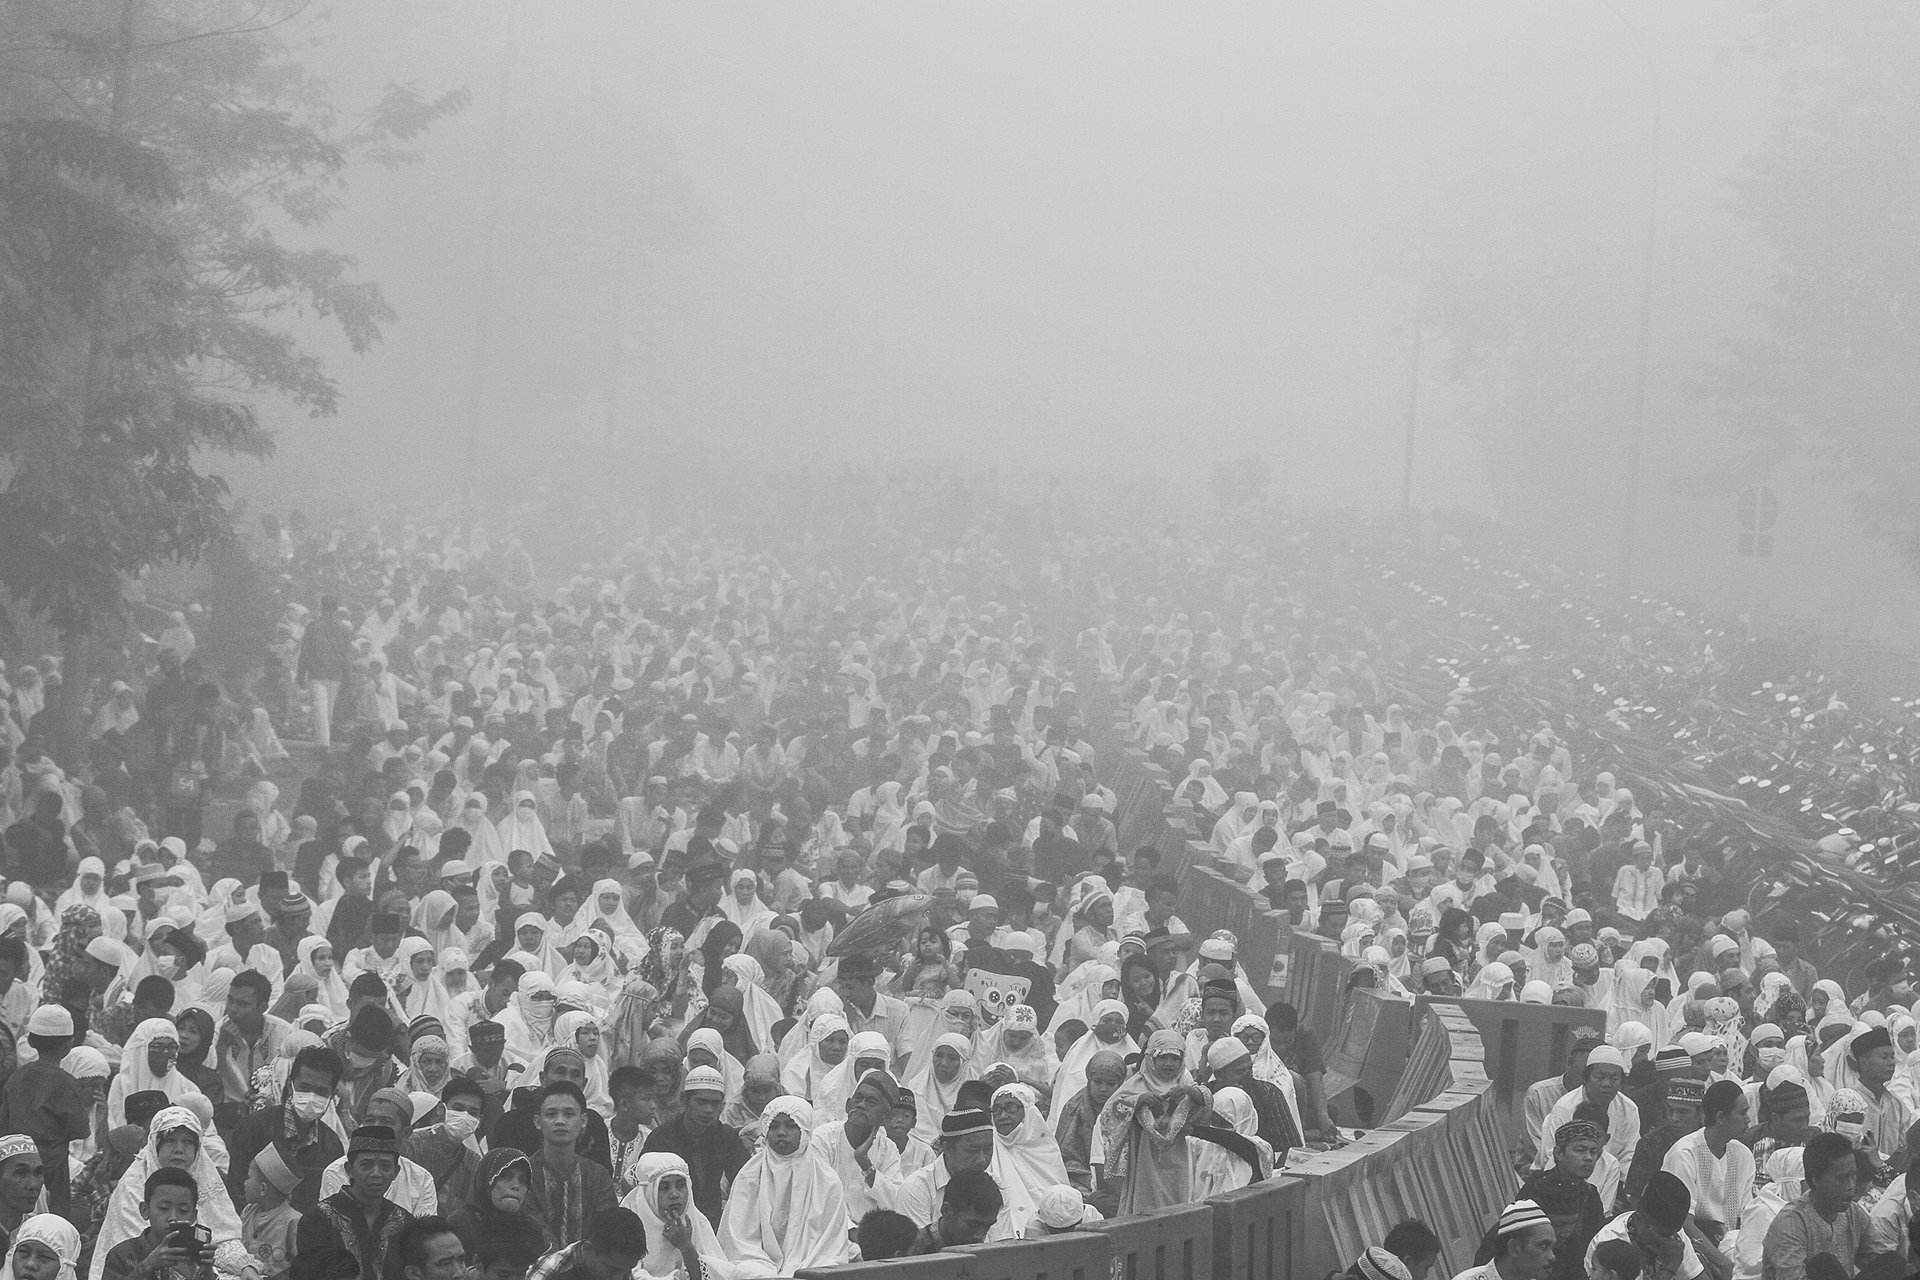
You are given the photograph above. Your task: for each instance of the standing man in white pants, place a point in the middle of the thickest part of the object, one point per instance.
(325, 651)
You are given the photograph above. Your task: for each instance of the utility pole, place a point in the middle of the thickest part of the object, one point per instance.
(483, 317)
(1637, 440)
(1413, 414)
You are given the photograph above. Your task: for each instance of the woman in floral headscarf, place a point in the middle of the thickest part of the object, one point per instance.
(1141, 1137)
(79, 925)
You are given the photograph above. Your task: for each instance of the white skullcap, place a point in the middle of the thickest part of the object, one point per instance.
(50, 1020)
(1226, 1051)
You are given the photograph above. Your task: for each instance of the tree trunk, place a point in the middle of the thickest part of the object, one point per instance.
(69, 745)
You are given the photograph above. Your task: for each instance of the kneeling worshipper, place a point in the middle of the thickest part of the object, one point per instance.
(1230, 1153)
(787, 1209)
(680, 1241)
(174, 1141)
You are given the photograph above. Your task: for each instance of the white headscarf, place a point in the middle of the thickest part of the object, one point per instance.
(124, 1220)
(1216, 1169)
(662, 1260)
(522, 828)
(1072, 1077)
(427, 997)
(52, 1232)
(333, 988)
(763, 1011)
(136, 1076)
(1027, 1163)
(807, 1072)
(785, 1213)
(566, 1029)
(933, 1098)
(830, 1095)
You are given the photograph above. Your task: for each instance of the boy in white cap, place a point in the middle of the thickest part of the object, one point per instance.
(41, 1101)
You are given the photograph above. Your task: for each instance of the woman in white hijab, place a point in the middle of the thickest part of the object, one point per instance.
(742, 904)
(936, 1087)
(1493, 982)
(1106, 1030)
(397, 821)
(889, 829)
(763, 1011)
(262, 797)
(1213, 796)
(50, 1236)
(804, 1073)
(655, 1181)
(316, 962)
(528, 1021)
(147, 1062)
(865, 1051)
(1016, 1041)
(1026, 1158)
(787, 1210)
(581, 1031)
(823, 1001)
(472, 819)
(417, 986)
(590, 962)
(522, 828)
(89, 889)
(174, 1140)
(607, 908)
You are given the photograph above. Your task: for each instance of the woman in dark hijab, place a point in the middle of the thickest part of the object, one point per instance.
(723, 940)
(497, 1203)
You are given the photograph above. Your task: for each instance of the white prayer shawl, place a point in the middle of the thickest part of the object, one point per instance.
(522, 828)
(763, 1011)
(786, 1213)
(662, 1260)
(136, 1075)
(933, 1098)
(1027, 1163)
(124, 1219)
(429, 997)
(333, 988)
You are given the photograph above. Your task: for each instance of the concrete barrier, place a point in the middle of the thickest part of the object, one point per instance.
(1167, 1244)
(1524, 1043)
(1071, 1255)
(934, 1266)
(1258, 1232)
(1369, 1056)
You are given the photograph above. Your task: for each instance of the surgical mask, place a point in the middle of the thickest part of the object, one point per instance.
(167, 966)
(1770, 1056)
(360, 1061)
(1853, 1130)
(307, 1107)
(461, 1125)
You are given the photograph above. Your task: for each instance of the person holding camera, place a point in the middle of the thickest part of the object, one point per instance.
(174, 1246)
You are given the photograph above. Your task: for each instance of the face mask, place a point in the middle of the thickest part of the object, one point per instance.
(1770, 1057)
(461, 1125)
(308, 1107)
(167, 966)
(360, 1061)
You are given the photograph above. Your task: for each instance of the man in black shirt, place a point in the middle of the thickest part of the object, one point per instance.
(713, 1151)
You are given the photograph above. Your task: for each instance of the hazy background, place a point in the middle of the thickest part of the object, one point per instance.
(1037, 235)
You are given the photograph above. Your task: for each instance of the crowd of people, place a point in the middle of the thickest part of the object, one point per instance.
(702, 914)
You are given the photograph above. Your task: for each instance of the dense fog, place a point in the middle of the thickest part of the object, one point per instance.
(1066, 236)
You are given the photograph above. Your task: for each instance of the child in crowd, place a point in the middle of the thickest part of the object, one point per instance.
(168, 1249)
(268, 1223)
